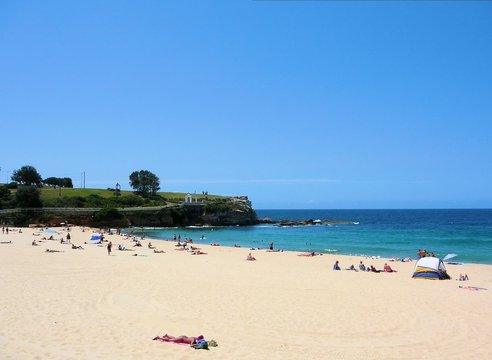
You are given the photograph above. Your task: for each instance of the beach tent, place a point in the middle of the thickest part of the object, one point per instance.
(95, 237)
(430, 268)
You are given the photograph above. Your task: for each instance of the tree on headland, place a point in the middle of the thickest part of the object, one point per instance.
(60, 182)
(27, 175)
(28, 196)
(145, 183)
(5, 196)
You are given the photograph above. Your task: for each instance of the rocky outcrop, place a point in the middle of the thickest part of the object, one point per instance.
(312, 222)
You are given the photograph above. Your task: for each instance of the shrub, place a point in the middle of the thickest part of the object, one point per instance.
(107, 214)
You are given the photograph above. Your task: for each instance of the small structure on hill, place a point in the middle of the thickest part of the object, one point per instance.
(189, 199)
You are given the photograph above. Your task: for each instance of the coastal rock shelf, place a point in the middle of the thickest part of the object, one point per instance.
(303, 222)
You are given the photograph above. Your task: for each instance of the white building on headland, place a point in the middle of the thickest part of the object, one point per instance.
(189, 199)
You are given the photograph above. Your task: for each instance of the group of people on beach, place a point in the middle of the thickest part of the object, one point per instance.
(363, 268)
(424, 253)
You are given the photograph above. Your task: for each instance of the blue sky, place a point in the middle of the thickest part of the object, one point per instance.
(297, 104)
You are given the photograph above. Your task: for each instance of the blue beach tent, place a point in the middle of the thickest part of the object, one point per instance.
(95, 237)
(430, 268)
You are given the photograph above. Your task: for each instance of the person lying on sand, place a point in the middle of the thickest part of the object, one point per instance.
(310, 254)
(250, 257)
(77, 247)
(198, 252)
(53, 251)
(191, 340)
(6, 242)
(122, 248)
(159, 251)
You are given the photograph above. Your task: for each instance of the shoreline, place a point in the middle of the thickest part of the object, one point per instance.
(243, 239)
(88, 304)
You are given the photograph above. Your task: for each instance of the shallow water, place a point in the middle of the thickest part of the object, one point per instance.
(385, 233)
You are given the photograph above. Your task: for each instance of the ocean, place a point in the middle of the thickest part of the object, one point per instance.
(384, 233)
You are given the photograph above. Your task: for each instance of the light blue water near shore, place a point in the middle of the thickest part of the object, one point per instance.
(385, 233)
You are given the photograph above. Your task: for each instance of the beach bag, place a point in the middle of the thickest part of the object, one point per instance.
(201, 344)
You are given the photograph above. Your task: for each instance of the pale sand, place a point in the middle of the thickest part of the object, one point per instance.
(84, 304)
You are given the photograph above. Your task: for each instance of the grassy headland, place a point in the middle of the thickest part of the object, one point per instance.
(70, 197)
(110, 207)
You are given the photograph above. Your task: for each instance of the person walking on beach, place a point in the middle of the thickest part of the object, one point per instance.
(110, 245)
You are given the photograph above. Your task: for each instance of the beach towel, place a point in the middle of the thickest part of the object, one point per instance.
(472, 288)
(161, 339)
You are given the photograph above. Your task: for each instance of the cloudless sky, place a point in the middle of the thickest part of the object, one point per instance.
(297, 104)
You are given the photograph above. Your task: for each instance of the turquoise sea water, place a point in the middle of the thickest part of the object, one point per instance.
(385, 233)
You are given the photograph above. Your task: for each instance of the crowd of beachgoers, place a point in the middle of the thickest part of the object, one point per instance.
(137, 244)
(252, 293)
(128, 242)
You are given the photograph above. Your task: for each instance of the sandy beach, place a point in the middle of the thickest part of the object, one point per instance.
(84, 304)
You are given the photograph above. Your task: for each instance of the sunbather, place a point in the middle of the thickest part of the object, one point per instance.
(352, 267)
(122, 248)
(198, 252)
(250, 257)
(53, 251)
(191, 340)
(310, 254)
(388, 268)
(373, 269)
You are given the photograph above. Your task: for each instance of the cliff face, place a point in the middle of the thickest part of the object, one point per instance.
(223, 214)
(188, 215)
